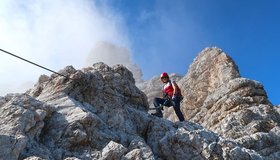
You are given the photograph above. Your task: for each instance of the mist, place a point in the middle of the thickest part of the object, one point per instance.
(57, 33)
(105, 52)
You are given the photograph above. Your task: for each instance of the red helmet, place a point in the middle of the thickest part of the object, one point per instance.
(164, 74)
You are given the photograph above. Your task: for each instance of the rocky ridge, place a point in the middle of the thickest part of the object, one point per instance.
(218, 98)
(99, 113)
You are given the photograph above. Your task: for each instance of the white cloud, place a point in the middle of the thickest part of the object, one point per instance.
(105, 52)
(53, 33)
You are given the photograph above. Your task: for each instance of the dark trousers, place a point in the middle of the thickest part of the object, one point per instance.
(175, 103)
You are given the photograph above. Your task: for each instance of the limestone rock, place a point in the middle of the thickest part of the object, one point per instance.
(210, 69)
(216, 97)
(21, 123)
(139, 150)
(99, 113)
(33, 158)
(113, 151)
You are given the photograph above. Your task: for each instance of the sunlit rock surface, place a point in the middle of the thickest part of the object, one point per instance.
(99, 113)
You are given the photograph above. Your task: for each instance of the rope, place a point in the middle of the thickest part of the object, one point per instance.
(125, 101)
(34, 63)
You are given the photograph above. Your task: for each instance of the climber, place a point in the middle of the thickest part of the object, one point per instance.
(171, 97)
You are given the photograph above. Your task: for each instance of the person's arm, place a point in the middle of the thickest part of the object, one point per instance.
(175, 87)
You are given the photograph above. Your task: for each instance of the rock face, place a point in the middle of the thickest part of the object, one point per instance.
(216, 97)
(211, 69)
(99, 113)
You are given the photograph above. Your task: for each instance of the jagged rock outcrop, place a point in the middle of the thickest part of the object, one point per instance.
(216, 97)
(98, 113)
(21, 121)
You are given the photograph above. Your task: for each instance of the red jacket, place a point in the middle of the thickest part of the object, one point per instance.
(169, 90)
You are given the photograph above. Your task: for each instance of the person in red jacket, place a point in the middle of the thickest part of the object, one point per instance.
(171, 97)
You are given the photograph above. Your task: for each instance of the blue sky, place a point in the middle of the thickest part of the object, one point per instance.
(148, 35)
(166, 35)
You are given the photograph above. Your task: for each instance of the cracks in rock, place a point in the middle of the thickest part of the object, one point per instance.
(214, 148)
(145, 133)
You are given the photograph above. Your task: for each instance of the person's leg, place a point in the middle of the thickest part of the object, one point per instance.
(176, 106)
(157, 102)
